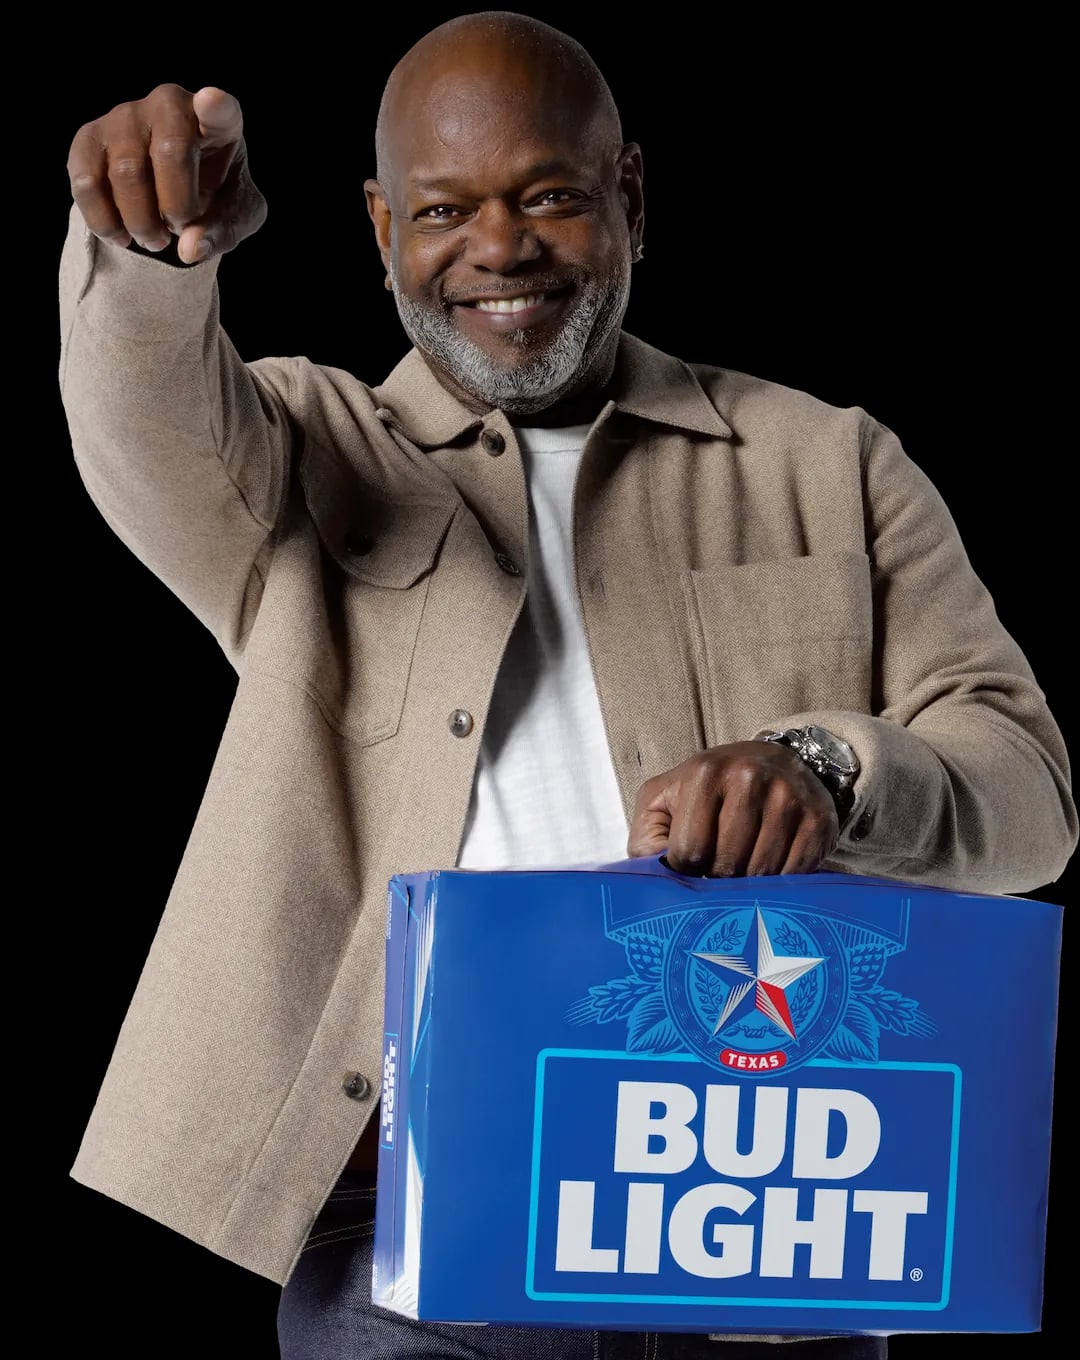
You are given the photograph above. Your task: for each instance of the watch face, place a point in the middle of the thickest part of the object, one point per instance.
(834, 750)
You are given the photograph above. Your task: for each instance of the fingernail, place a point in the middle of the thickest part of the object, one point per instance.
(202, 250)
(155, 245)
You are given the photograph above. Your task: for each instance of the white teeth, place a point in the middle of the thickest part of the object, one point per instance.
(516, 304)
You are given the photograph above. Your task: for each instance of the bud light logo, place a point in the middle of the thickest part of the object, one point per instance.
(746, 1129)
(752, 988)
(389, 1090)
(670, 1185)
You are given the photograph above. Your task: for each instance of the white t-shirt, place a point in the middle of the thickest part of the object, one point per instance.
(545, 791)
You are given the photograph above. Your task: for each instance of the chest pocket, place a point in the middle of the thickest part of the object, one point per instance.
(771, 639)
(351, 577)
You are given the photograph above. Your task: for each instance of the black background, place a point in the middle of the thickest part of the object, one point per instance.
(872, 215)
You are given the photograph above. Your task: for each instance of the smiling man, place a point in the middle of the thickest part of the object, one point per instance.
(546, 595)
(508, 240)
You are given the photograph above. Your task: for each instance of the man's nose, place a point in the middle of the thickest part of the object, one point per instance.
(500, 239)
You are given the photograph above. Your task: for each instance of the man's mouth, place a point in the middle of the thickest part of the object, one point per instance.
(514, 311)
(514, 304)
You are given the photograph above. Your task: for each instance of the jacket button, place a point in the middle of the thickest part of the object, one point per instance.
(358, 543)
(861, 829)
(507, 564)
(460, 722)
(356, 1086)
(491, 441)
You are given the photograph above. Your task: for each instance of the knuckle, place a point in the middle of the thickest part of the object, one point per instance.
(85, 184)
(698, 772)
(175, 150)
(822, 820)
(168, 91)
(785, 800)
(125, 120)
(129, 170)
(697, 856)
(649, 789)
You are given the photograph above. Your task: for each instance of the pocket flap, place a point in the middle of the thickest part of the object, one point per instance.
(384, 537)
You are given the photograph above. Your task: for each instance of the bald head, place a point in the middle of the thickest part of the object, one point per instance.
(479, 63)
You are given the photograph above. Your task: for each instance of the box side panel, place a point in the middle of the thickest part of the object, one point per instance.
(390, 1282)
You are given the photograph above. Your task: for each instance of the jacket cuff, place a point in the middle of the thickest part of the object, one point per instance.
(133, 294)
(896, 770)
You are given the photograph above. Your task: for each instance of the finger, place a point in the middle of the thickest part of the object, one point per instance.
(780, 819)
(649, 825)
(233, 207)
(90, 187)
(737, 826)
(174, 155)
(131, 177)
(239, 210)
(193, 150)
(695, 808)
(649, 833)
(220, 120)
(814, 840)
(643, 824)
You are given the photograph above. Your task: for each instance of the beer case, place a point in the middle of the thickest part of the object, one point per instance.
(618, 1097)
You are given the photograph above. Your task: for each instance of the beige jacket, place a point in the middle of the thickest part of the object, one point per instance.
(747, 556)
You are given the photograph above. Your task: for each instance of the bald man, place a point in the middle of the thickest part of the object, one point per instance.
(544, 596)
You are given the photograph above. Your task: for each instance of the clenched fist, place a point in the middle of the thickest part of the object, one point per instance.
(172, 162)
(749, 808)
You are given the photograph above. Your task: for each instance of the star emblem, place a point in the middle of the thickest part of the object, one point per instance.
(759, 980)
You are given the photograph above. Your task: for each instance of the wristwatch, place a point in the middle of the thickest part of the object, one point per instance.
(829, 756)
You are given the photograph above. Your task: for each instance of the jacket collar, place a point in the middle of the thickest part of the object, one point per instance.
(646, 383)
(656, 386)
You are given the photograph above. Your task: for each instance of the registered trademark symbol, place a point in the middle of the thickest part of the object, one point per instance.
(915, 1274)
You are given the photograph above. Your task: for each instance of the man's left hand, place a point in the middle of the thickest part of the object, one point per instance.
(752, 807)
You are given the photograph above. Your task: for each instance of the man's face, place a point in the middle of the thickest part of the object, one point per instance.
(505, 229)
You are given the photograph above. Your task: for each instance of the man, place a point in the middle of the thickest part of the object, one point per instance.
(532, 599)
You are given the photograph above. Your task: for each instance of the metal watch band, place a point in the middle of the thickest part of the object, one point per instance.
(838, 782)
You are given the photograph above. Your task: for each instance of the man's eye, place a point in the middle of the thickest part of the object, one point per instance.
(555, 197)
(439, 212)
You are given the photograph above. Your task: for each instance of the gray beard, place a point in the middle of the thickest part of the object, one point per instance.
(531, 383)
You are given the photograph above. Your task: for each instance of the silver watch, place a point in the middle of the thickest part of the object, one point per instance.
(829, 756)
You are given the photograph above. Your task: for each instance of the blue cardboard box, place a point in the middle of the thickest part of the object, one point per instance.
(617, 1097)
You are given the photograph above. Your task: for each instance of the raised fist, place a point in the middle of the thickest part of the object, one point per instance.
(172, 162)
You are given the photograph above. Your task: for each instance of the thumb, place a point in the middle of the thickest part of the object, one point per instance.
(649, 832)
(219, 115)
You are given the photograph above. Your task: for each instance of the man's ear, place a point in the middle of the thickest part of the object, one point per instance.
(630, 172)
(379, 212)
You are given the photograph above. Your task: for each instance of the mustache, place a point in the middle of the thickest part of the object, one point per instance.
(523, 283)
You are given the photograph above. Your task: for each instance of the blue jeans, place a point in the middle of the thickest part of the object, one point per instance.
(326, 1313)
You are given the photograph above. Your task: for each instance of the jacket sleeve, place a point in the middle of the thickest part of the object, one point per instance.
(965, 776)
(183, 447)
